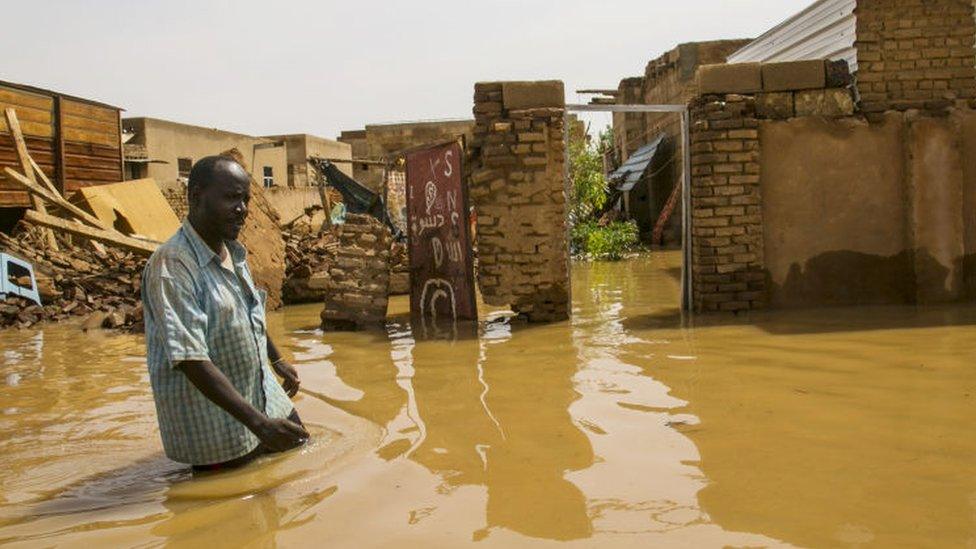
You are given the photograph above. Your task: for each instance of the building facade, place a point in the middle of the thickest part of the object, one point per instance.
(383, 142)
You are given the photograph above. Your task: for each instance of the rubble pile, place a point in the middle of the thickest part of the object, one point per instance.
(308, 257)
(399, 269)
(76, 281)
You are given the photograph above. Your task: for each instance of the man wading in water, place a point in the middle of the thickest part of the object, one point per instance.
(217, 402)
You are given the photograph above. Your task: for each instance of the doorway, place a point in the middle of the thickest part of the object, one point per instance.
(653, 205)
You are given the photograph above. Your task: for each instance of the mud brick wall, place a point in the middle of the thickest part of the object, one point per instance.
(358, 281)
(915, 54)
(178, 201)
(517, 188)
(727, 243)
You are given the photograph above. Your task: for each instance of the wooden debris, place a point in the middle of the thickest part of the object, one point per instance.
(13, 126)
(142, 247)
(37, 191)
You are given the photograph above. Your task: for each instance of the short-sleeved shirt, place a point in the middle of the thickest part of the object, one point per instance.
(195, 309)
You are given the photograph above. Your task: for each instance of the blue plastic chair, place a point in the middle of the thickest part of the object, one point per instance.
(9, 287)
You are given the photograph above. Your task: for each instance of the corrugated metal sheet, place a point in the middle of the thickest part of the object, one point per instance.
(631, 171)
(825, 30)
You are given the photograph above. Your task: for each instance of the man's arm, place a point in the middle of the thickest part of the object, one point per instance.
(277, 434)
(288, 373)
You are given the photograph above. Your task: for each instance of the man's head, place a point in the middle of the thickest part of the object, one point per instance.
(219, 190)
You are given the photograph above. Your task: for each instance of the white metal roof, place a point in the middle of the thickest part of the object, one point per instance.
(825, 30)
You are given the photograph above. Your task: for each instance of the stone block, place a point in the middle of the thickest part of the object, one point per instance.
(777, 105)
(794, 75)
(533, 95)
(837, 74)
(832, 102)
(730, 78)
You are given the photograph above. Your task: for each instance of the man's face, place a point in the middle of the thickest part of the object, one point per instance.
(223, 203)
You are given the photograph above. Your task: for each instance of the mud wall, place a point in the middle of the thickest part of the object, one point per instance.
(517, 187)
(869, 213)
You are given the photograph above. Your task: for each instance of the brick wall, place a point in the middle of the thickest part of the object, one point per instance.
(517, 188)
(915, 54)
(727, 243)
(356, 295)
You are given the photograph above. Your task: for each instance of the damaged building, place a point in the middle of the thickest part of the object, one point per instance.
(75, 141)
(165, 151)
(384, 142)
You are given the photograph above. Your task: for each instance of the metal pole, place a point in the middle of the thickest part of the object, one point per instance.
(686, 218)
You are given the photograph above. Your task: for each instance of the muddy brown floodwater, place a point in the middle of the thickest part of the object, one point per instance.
(622, 427)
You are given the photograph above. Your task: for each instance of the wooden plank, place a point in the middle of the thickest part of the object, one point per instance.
(26, 99)
(86, 110)
(90, 174)
(59, 154)
(85, 136)
(44, 178)
(27, 114)
(89, 149)
(36, 190)
(35, 129)
(14, 126)
(141, 247)
(14, 199)
(87, 124)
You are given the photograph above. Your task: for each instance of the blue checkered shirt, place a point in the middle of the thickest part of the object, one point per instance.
(197, 310)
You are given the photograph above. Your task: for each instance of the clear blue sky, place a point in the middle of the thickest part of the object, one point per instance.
(321, 67)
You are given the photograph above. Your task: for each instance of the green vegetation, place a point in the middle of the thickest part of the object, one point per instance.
(589, 189)
(588, 195)
(610, 242)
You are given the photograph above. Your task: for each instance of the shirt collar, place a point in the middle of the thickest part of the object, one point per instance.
(203, 252)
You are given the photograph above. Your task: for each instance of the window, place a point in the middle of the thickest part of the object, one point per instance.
(184, 165)
(268, 177)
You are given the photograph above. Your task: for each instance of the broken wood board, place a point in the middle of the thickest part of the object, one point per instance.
(135, 245)
(134, 207)
(13, 126)
(35, 190)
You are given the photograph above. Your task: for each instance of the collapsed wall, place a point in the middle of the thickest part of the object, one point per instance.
(356, 287)
(518, 191)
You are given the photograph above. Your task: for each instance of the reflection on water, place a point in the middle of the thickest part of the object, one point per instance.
(627, 426)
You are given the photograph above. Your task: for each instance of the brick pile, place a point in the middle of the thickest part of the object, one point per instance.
(100, 287)
(915, 54)
(517, 188)
(356, 289)
(727, 249)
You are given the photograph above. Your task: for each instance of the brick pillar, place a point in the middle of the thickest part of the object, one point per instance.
(915, 54)
(727, 230)
(517, 187)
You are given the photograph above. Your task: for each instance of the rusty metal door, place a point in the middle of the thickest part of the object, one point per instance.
(439, 239)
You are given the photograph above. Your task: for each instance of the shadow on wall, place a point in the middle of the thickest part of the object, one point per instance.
(853, 278)
(846, 278)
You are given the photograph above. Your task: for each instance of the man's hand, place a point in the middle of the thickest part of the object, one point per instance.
(280, 434)
(289, 375)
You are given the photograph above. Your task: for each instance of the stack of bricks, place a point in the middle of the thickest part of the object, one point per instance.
(359, 279)
(727, 249)
(915, 54)
(517, 187)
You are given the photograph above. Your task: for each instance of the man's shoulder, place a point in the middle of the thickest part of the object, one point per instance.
(175, 251)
